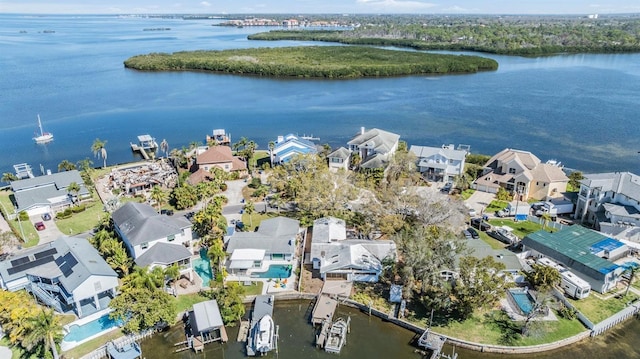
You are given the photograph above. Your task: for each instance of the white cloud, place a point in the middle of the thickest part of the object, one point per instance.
(205, 3)
(456, 9)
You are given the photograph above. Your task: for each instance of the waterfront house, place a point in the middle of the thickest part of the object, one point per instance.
(274, 242)
(338, 257)
(48, 193)
(154, 239)
(587, 253)
(375, 147)
(339, 159)
(286, 147)
(221, 157)
(610, 202)
(440, 164)
(522, 173)
(67, 274)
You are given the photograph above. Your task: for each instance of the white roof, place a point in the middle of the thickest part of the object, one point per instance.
(241, 264)
(247, 254)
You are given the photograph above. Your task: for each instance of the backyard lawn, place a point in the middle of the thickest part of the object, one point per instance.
(520, 228)
(83, 221)
(30, 233)
(598, 309)
(186, 301)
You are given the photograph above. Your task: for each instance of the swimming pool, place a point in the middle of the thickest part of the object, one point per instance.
(274, 271)
(523, 300)
(202, 266)
(78, 333)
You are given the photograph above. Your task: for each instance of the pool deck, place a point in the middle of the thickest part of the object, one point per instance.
(514, 315)
(269, 285)
(64, 345)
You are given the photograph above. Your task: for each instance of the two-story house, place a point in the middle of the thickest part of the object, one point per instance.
(154, 239)
(220, 157)
(67, 274)
(273, 243)
(610, 202)
(49, 193)
(338, 257)
(375, 147)
(339, 159)
(440, 164)
(523, 174)
(290, 145)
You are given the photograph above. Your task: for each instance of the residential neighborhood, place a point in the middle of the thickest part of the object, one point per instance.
(301, 218)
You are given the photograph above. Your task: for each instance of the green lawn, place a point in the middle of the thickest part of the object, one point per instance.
(494, 243)
(91, 345)
(251, 222)
(254, 289)
(466, 194)
(31, 237)
(520, 228)
(186, 301)
(495, 205)
(83, 221)
(597, 309)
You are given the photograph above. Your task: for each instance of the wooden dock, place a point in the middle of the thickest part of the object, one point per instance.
(145, 143)
(243, 332)
(433, 342)
(324, 309)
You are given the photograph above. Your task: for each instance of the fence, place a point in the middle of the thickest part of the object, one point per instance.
(550, 224)
(128, 339)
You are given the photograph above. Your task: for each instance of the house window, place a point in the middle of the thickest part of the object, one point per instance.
(171, 238)
(278, 256)
(144, 245)
(512, 171)
(257, 264)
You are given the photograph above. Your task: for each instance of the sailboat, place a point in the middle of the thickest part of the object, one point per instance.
(42, 137)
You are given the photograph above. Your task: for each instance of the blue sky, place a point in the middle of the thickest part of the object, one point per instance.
(322, 6)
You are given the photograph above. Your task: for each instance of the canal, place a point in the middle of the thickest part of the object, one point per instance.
(371, 337)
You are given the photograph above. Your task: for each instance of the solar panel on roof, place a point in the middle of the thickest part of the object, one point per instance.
(19, 261)
(66, 270)
(48, 252)
(29, 265)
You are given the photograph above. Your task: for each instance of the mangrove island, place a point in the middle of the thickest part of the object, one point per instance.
(333, 62)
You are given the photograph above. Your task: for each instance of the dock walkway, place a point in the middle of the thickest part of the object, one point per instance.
(324, 309)
(433, 342)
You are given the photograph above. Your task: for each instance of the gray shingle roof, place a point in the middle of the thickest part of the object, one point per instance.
(341, 152)
(275, 235)
(163, 253)
(73, 260)
(40, 190)
(379, 140)
(141, 223)
(446, 152)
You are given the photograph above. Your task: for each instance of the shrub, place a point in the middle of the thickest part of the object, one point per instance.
(255, 182)
(223, 186)
(78, 209)
(567, 313)
(23, 216)
(63, 215)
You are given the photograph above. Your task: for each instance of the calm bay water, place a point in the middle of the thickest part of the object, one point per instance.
(579, 109)
(373, 338)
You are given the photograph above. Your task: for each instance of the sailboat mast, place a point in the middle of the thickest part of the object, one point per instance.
(40, 126)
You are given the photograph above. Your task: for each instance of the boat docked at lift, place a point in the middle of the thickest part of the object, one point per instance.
(263, 337)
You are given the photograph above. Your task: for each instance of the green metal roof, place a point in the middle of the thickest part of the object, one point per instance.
(575, 243)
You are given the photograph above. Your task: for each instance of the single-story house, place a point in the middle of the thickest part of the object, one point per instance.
(67, 274)
(47, 193)
(587, 253)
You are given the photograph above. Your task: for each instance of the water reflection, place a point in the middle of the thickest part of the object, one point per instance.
(371, 337)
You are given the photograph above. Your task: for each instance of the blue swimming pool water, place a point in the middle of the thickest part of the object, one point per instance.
(275, 271)
(523, 299)
(202, 266)
(81, 332)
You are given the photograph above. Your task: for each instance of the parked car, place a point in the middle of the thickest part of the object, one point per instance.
(46, 216)
(480, 224)
(39, 226)
(467, 234)
(473, 232)
(447, 187)
(472, 213)
(168, 212)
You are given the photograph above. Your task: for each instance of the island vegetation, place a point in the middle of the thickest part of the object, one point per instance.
(507, 35)
(313, 62)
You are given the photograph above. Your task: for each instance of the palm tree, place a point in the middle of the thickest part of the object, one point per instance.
(249, 209)
(8, 177)
(85, 165)
(216, 253)
(44, 328)
(120, 260)
(546, 217)
(66, 166)
(143, 278)
(73, 188)
(355, 160)
(99, 150)
(158, 195)
(173, 272)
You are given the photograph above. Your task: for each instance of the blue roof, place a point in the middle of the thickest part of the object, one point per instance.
(608, 244)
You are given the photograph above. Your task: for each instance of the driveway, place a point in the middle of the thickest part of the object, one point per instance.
(51, 231)
(479, 201)
(231, 210)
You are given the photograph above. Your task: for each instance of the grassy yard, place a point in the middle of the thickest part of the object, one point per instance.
(495, 205)
(494, 243)
(186, 301)
(520, 228)
(466, 194)
(598, 309)
(83, 221)
(31, 237)
(251, 222)
(91, 345)
(254, 289)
